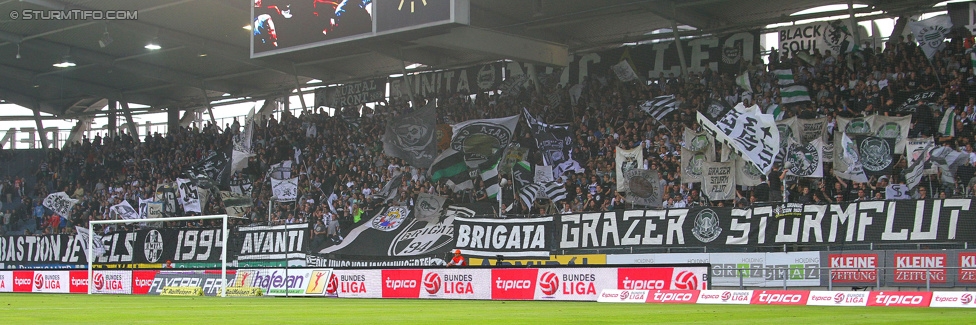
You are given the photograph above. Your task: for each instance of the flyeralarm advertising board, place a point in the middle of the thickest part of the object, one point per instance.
(838, 298)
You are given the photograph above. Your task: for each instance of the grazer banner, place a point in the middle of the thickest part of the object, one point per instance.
(723, 54)
(351, 94)
(525, 237)
(465, 81)
(878, 222)
(754, 269)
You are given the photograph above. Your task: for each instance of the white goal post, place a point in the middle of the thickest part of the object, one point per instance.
(223, 249)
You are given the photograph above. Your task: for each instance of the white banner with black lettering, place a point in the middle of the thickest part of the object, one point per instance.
(719, 181)
(491, 237)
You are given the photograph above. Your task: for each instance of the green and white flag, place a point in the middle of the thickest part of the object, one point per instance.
(473, 142)
(743, 81)
(931, 33)
(972, 61)
(847, 163)
(776, 111)
(784, 76)
(948, 124)
(794, 94)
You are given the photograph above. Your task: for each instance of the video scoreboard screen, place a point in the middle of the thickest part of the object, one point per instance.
(280, 26)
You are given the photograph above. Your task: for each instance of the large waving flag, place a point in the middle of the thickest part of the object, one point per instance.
(660, 107)
(473, 143)
(412, 137)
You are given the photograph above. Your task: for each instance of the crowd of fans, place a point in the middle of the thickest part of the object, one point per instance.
(345, 155)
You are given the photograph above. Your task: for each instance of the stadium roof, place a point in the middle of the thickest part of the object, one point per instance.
(205, 51)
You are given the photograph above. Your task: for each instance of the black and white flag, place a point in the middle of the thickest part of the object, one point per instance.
(281, 170)
(750, 133)
(242, 145)
(60, 203)
(429, 207)
(411, 137)
(555, 143)
(235, 204)
(391, 189)
(285, 190)
(877, 154)
(947, 161)
(624, 71)
(553, 191)
(98, 246)
(124, 210)
(241, 186)
(189, 195)
(645, 188)
(167, 194)
(919, 152)
(660, 107)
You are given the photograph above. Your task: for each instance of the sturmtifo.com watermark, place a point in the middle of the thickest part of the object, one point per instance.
(74, 14)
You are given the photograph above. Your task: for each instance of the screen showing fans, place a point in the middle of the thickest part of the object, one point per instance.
(279, 26)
